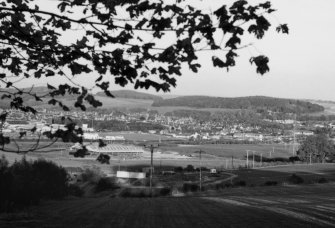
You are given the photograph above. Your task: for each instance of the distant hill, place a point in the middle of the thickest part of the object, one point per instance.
(129, 94)
(255, 102)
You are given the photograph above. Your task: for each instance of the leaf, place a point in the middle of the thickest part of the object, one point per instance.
(33, 130)
(99, 79)
(102, 143)
(50, 73)
(3, 116)
(52, 102)
(22, 133)
(197, 40)
(50, 87)
(82, 43)
(141, 23)
(109, 94)
(217, 62)
(262, 64)
(283, 28)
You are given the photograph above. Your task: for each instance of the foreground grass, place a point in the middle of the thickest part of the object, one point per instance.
(285, 206)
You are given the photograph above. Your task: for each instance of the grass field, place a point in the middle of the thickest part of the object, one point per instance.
(280, 174)
(236, 150)
(299, 206)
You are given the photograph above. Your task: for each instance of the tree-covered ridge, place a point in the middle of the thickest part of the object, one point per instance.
(256, 102)
(131, 95)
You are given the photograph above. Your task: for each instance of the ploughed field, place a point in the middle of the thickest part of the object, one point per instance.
(284, 206)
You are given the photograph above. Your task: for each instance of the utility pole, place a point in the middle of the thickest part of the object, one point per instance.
(294, 128)
(247, 158)
(310, 158)
(232, 162)
(151, 147)
(261, 159)
(273, 149)
(200, 171)
(253, 159)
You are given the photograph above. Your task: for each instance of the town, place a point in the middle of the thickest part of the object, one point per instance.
(186, 127)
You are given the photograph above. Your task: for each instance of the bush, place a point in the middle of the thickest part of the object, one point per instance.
(144, 192)
(271, 183)
(189, 168)
(75, 190)
(240, 183)
(190, 187)
(91, 175)
(219, 186)
(228, 185)
(294, 159)
(178, 169)
(323, 180)
(25, 183)
(165, 191)
(105, 184)
(295, 179)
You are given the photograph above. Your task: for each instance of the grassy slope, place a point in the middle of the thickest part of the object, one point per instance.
(307, 206)
(280, 206)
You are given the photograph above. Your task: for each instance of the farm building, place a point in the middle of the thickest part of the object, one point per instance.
(119, 150)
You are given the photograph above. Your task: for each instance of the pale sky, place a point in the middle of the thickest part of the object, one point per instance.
(302, 64)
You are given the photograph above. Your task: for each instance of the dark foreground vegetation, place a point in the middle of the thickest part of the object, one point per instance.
(25, 183)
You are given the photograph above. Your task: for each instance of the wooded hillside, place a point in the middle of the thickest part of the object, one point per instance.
(256, 102)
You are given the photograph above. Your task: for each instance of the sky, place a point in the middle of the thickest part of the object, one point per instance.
(302, 63)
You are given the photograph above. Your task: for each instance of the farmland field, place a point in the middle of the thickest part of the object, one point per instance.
(299, 206)
(236, 150)
(310, 173)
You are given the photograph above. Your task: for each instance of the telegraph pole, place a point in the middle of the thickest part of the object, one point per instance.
(253, 159)
(247, 158)
(200, 171)
(151, 147)
(232, 162)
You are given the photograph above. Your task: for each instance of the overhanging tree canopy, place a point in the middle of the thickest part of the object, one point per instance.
(140, 42)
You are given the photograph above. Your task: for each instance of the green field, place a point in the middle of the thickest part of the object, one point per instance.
(285, 205)
(280, 174)
(236, 150)
(300, 206)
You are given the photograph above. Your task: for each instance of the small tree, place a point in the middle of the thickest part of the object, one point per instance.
(103, 158)
(316, 148)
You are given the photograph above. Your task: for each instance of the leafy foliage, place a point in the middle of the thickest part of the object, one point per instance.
(34, 46)
(103, 158)
(317, 148)
(117, 41)
(24, 183)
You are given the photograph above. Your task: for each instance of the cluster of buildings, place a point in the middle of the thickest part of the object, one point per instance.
(180, 128)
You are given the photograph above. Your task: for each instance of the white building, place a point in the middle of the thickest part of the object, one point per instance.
(91, 136)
